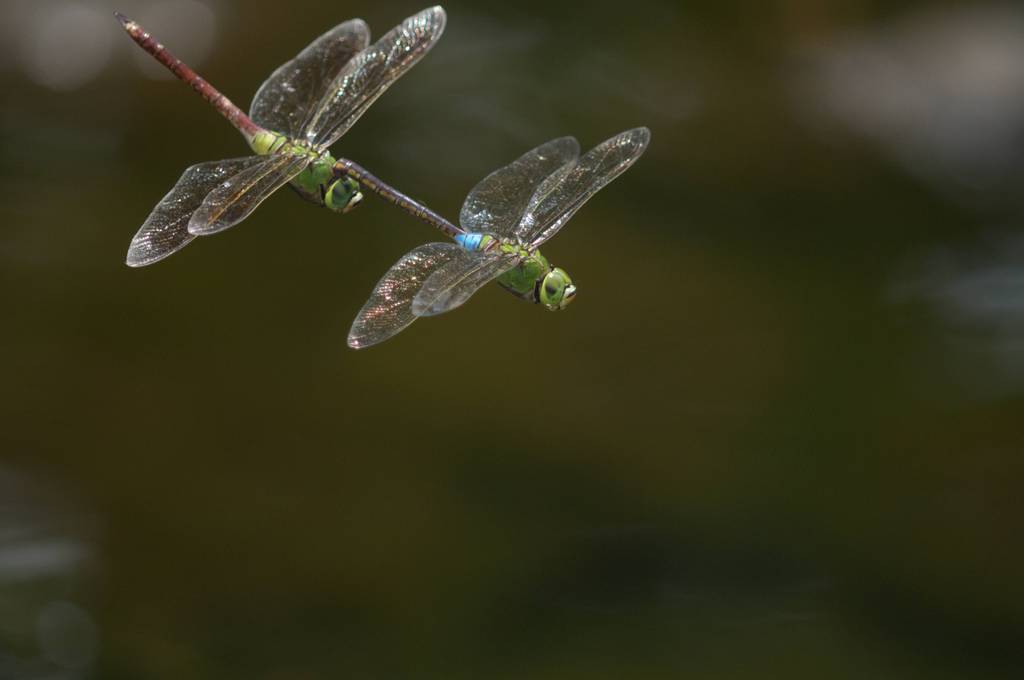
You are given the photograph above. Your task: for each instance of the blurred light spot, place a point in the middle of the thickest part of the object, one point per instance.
(45, 557)
(66, 635)
(186, 27)
(943, 91)
(32, 557)
(39, 532)
(979, 297)
(66, 45)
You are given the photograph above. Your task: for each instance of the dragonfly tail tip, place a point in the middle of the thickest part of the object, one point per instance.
(123, 19)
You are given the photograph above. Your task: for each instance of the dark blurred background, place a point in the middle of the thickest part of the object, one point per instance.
(778, 435)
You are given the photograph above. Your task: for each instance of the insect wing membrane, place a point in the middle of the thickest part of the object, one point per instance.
(234, 199)
(454, 283)
(497, 203)
(369, 73)
(288, 99)
(564, 192)
(165, 231)
(389, 309)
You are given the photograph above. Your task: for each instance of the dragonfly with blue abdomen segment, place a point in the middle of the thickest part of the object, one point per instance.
(303, 108)
(505, 219)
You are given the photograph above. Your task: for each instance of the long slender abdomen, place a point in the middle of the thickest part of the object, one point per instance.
(235, 115)
(344, 166)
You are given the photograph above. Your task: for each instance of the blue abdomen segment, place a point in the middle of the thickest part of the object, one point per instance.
(473, 242)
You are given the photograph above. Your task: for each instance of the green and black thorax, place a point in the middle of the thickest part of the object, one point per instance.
(322, 182)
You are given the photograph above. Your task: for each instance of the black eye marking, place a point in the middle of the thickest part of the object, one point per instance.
(323, 194)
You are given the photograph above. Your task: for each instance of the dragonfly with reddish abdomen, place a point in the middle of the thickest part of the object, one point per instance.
(303, 108)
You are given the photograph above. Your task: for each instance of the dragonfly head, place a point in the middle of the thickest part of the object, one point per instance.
(342, 195)
(556, 290)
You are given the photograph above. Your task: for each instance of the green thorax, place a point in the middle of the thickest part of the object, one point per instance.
(522, 281)
(533, 278)
(311, 183)
(316, 181)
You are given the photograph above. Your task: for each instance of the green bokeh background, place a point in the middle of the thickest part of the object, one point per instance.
(738, 455)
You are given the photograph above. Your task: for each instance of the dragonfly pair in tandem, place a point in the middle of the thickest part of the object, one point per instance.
(306, 105)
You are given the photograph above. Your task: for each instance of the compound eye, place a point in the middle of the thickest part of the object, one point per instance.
(553, 288)
(342, 194)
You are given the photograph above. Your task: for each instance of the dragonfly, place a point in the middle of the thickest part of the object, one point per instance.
(303, 108)
(504, 221)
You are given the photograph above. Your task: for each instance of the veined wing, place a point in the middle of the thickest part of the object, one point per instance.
(369, 73)
(389, 308)
(566, 190)
(455, 282)
(288, 99)
(431, 279)
(234, 199)
(165, 231)
(498, 202)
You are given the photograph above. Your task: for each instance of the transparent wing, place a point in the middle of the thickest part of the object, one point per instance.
(389, 308)
(456, 281)
(235, 198)
(369, 73)
(165, 231)
(288, 99)
(566, 190)
(498, 202)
